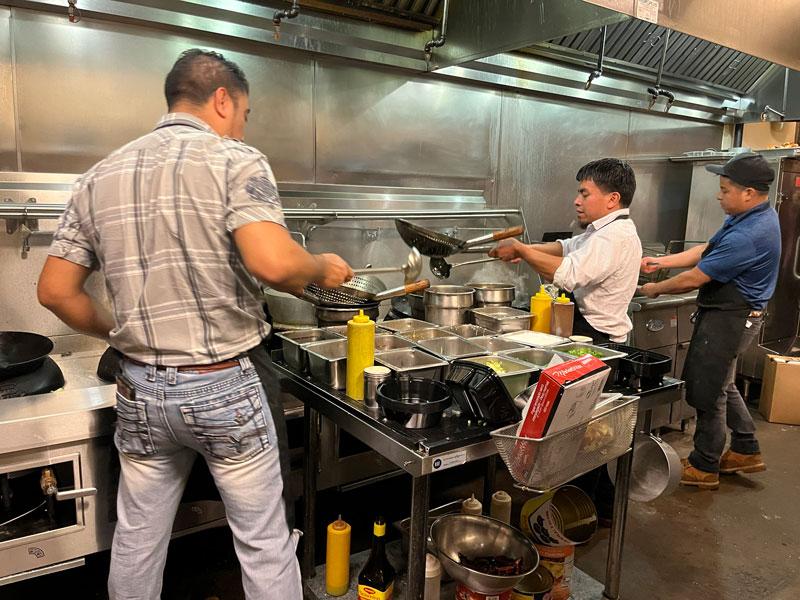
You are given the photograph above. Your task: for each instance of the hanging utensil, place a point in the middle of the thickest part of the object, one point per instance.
(411, 269)
(655, 92)
(433, 243)
(441, 268)
(353, 297)
(598, 72)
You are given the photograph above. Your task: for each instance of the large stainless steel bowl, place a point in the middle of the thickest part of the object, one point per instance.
(476, 536)
(493, 294)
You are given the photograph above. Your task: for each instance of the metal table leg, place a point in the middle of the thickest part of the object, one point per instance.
(418, 537)
(615, 541)
(310, 462)
(488, 482)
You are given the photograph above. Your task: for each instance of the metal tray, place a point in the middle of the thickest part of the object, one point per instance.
(417, 335)
(496, 345)
(327, 362)
(517, 374)
(536, 338)
(468, 331)
(538, 357)
(337, 329)
(293, 343)
(400, 325)
(451, 348)
(605, 354)
(384, 342)
(412, 362)
(501, 318)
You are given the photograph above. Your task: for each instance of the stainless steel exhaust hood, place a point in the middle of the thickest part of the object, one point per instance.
(767, 30)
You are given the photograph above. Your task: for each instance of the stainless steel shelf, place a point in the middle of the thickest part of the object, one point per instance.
(19, 210)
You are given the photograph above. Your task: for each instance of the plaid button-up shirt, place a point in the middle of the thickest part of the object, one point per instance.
(156, 217)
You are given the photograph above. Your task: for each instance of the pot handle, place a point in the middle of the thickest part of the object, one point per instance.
(497, 235)
(410, 288)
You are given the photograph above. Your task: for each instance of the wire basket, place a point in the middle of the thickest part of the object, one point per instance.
(546, 463)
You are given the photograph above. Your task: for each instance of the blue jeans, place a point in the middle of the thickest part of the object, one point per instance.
(729, 412)
(223, 416)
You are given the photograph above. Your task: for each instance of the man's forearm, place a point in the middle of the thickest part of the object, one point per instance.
(683, 282)
(83, 314)
(551, 248)
(541, 262)
(682, 260)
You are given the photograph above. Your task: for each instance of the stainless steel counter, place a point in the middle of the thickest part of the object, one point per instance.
(80, 410)
(354, 418)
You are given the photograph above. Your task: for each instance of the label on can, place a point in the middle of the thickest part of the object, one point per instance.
(560, 561)
(464, 593)
(370, 593)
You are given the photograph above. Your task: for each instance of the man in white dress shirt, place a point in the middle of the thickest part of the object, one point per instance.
(600, 267)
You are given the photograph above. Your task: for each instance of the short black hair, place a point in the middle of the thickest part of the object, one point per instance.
(198, 73)
(611, 175)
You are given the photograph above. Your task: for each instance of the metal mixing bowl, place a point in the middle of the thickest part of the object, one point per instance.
(477, 536)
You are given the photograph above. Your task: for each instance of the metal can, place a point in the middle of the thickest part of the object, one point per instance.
(536, 586)
(373, 376)
(560, 561)
(464, 593)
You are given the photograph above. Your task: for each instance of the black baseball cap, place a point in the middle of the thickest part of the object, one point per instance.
(748, 170)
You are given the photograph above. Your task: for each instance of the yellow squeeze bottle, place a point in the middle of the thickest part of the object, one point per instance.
(337, 558)
(360, 353)
(541, 310)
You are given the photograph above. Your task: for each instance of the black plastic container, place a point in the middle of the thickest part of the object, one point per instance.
(479, 392)
(643, 365)
(414, 403)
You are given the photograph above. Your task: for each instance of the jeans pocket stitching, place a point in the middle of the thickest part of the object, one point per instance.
(132, 428)
(218, 435)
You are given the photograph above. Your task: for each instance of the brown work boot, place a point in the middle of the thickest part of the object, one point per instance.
(734, 462)
(697, 478)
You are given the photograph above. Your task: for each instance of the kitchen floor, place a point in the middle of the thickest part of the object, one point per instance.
(742, 541)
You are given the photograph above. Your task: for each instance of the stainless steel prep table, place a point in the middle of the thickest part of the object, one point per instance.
(415, 459)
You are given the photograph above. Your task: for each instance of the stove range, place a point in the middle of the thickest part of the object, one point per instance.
(46, 378)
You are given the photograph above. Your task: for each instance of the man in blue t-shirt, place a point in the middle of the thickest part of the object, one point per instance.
(735, 273)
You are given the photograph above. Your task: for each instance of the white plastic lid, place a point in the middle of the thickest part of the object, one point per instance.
(377, 370)
(433, 567)
(581, 339)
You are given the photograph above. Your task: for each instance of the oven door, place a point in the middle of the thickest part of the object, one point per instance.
(56, 504)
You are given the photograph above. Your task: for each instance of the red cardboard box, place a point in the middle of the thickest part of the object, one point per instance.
(564, 396)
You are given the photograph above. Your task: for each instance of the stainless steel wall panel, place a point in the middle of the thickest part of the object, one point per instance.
(375, 124)
(86, 90)
(658, 135)
(8, 136)
(662, 196)
(543, 143)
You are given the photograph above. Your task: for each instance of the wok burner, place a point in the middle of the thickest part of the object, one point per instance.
(46, 378)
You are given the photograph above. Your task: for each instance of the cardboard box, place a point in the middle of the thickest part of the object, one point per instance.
(564, 396)
(780, 390)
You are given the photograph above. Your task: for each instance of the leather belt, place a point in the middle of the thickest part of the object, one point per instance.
(756, 313)
(209, 368)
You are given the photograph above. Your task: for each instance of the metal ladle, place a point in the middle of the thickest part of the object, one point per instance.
(441, 268)
(411, 269)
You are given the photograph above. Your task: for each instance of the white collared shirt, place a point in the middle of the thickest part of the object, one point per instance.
(601, 269)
